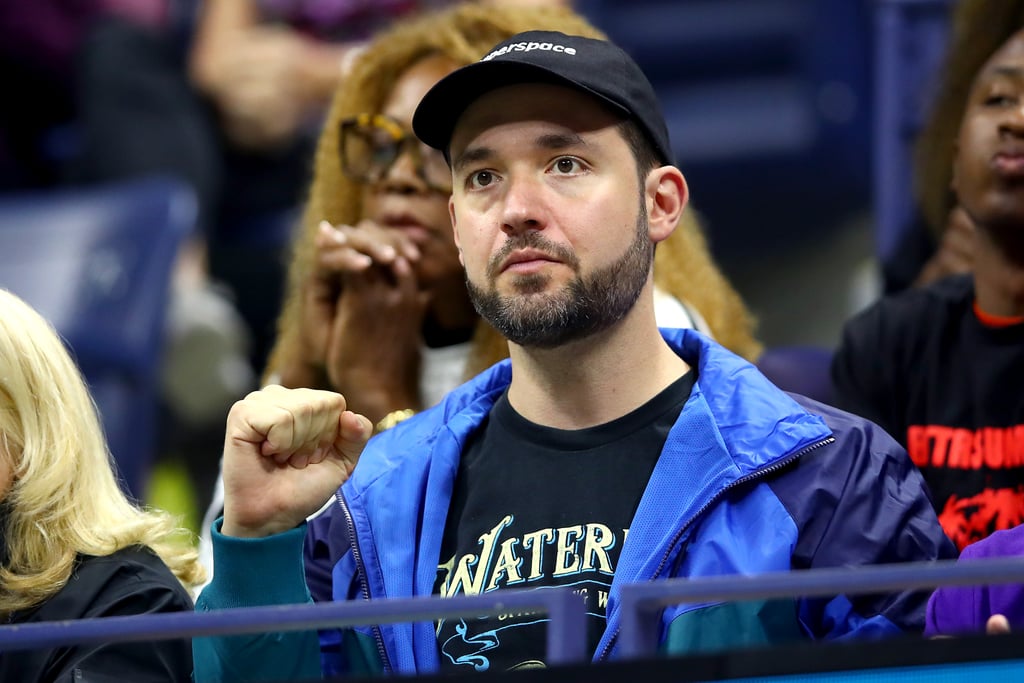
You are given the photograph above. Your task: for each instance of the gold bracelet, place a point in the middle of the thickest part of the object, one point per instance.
(393, 418)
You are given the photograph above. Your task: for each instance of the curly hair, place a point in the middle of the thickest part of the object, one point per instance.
(63, 499)
(465, 33)
(979, 28)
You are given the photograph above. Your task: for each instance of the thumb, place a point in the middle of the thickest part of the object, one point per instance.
(354, 430)
(997, 624)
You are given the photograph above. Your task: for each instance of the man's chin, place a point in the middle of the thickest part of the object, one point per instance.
(532, 285)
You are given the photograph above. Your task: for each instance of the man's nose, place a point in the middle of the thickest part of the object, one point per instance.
(1012, 122)
(522, 205)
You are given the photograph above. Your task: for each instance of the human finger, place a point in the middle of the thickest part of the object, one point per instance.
(368, 233)
(296, 421)
(354, 430)
(997, 624)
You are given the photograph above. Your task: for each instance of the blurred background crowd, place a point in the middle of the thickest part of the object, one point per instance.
(194, 124)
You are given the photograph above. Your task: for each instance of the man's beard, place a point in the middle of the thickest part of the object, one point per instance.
(587, 305)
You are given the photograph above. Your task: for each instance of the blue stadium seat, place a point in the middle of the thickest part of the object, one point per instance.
(768, 106)
(910, 42)
(96, 262)
(800, 369)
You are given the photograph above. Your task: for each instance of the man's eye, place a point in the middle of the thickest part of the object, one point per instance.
(481, 179)
(999, 100)
(567, 165)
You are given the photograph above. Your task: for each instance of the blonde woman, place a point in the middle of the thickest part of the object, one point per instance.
(73, 545)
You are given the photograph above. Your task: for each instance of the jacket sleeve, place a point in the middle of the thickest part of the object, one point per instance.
(966, 609)
(861, 501)
(317, 555)
(250, 572)
(956, 610)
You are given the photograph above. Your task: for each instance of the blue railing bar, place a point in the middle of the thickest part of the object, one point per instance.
(566, 633)
(641, 602)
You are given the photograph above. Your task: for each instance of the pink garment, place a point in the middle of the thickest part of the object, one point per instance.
(342, 20)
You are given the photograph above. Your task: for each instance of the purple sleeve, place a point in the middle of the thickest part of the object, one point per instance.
(954, 609)
(965, 609)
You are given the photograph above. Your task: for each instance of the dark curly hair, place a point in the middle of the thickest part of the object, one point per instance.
(979, 29)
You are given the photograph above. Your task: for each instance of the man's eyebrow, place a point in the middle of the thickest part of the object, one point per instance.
(560, 140)
(1005, 70)
(550, 141)
(469, 156)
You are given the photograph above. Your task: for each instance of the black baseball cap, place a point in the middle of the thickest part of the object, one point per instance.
(596, 67)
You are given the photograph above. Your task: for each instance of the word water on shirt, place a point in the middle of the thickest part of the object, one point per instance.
(580, 556)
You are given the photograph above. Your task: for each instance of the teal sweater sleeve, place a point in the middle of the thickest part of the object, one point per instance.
(250, 572)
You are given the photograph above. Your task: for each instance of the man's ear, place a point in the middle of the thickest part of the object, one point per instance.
(455, 232)
(666, 196)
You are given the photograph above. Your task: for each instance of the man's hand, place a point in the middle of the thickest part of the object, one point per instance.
(955, 253)
(285, 452)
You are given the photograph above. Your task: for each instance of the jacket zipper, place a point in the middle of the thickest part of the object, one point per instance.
(364, 584)
(774, 467)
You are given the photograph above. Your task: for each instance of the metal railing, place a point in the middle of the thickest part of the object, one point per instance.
(566, 634)
(641, 604)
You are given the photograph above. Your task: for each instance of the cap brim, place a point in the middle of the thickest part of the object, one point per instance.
(440, 109)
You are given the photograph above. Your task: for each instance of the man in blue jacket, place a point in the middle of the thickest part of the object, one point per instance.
(603, 452)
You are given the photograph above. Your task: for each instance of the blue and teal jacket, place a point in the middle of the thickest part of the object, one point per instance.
(750, 480)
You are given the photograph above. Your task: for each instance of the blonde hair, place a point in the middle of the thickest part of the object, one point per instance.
(64, 499)
(979, 29)
(464, 34)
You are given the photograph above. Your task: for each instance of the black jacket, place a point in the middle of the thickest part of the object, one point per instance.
(131, 581)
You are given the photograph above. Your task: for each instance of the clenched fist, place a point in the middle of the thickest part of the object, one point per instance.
(285, 452)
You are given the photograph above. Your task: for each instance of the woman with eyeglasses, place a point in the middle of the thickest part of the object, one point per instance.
(376, 305)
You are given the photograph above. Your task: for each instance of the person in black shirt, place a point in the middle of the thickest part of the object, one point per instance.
(73, 546)
(941, 368)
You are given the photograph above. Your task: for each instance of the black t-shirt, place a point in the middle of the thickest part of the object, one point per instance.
(949, 388)
(535, 506)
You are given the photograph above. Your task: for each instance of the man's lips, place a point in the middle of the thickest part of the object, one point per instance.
(1009, 163)
(527, 260)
